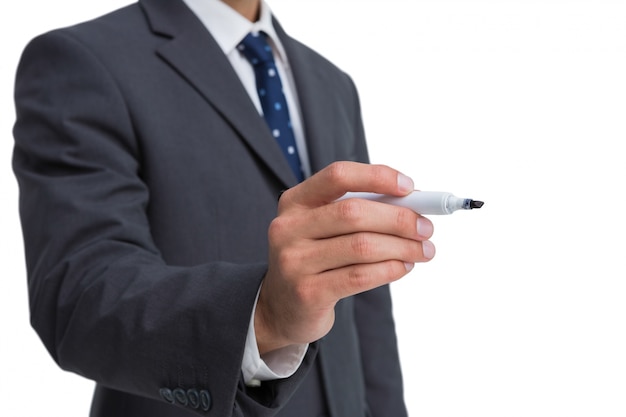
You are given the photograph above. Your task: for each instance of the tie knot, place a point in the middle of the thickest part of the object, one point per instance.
(256, 49)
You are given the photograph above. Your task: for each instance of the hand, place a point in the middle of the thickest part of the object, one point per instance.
(322, 250)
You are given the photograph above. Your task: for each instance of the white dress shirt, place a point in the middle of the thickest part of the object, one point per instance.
(229, 28)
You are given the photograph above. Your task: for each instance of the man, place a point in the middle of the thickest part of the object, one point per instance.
(162, 263)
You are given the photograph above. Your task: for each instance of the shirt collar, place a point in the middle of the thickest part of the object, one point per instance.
(229, 27)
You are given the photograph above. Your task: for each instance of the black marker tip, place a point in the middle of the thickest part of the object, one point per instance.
(474, 204)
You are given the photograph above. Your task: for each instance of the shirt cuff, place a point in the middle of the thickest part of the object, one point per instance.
(277, 364)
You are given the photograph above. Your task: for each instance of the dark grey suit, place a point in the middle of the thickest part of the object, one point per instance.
(148, 181)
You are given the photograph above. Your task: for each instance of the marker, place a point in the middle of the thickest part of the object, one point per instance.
(422, 202)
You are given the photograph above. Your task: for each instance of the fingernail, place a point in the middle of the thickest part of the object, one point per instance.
(405, 184)
(424, 227)
(409, 266)
(428, 249)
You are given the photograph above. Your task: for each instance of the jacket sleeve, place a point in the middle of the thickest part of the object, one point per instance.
(102, 299)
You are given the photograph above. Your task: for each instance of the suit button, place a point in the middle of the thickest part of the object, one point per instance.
(167, 395)
(194, 398)
(205, 400)
(181, 396)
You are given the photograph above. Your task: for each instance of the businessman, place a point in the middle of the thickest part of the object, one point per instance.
(164, 260)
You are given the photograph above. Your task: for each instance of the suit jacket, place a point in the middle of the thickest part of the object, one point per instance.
(147, 183)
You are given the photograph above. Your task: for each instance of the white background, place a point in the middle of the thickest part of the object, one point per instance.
(519, 103)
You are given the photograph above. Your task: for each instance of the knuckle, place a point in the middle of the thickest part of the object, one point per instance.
(414, 251)
(277, 228)
(337, 172)
(361, 245)
(380, 175)
(405, 219)
(288, 260)
(409, 251)
(390, 271)
(394, 271)
(303, 293)
(358, 277)
(350, 211)
(365, 277)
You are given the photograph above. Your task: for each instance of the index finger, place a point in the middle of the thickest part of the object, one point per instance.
(341, 177)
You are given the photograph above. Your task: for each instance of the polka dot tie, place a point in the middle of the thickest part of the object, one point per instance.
(256, 49)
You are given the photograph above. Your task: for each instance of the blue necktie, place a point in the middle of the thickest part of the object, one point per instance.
(256, 49)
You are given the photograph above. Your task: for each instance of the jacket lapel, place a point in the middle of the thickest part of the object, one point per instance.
(317, 115)
(196, 56)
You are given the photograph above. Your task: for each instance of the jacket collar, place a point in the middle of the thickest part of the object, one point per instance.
(192, 52)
